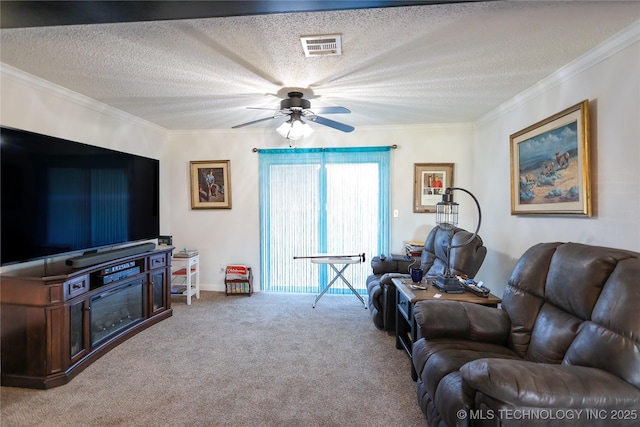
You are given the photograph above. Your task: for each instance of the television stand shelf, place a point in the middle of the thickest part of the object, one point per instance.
(57, 323)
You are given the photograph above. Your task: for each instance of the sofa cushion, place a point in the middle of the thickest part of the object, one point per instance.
(376, 295)
(439, 362)
(521, 383)
(611, 341)
(436, 358)
(465, 259)
(556, 323)
(576, 276)
(524, 295)
(450, 397)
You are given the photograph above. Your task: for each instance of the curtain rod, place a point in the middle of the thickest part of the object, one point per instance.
(394, 146)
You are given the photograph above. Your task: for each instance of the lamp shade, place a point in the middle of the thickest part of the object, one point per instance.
(294, 128)
(447, 211)
(284, 129)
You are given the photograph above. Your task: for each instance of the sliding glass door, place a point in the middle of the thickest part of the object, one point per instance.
(319, 201)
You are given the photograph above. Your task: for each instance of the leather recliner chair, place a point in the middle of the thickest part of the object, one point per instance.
(564, 348)
(464, 260)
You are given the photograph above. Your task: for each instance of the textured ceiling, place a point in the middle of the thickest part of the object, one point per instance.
(445, 63)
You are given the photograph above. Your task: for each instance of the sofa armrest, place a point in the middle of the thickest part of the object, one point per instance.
(387, 278)
(462, 320)
(524, 384)
(392, 264)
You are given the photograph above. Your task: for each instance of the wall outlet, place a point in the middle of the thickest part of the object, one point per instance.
(395, 213)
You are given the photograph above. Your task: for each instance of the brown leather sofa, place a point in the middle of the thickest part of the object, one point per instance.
(564, 349)
(464, 260)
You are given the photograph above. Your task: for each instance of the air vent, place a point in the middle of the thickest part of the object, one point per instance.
(326, 45)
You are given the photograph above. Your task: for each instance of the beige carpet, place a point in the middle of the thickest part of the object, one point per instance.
(265, 360)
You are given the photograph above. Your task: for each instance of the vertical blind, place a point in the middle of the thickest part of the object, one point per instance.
(319, 201)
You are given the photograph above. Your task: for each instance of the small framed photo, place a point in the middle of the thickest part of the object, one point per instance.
(210, 184)
(550, 171)
(429, 182)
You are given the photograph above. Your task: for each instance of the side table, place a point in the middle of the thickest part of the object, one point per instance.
(189, 273)
(406, 297)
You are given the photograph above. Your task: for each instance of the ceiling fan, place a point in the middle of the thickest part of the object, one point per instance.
(297, 108)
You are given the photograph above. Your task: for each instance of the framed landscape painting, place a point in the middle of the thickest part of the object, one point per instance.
(429, 182)
(550, 171)
(210, 184)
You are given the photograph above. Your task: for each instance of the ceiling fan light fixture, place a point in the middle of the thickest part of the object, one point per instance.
(294, 129)
(296, 107)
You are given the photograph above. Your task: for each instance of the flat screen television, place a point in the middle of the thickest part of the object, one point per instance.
(60, 197)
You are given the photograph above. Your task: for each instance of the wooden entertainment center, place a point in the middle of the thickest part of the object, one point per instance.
(55, 325)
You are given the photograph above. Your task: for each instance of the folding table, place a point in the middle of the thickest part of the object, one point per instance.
(333, 261)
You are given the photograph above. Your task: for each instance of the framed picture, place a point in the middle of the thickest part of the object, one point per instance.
(210, 184)
(429, 182)
(550, 171)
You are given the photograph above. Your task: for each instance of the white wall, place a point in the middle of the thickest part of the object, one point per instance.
(233, 236)
(610, 79)
(32, 104)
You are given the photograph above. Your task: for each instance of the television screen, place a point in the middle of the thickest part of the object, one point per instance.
(60, 196)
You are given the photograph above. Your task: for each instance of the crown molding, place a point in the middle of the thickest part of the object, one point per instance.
(38, 83)
(606, 49)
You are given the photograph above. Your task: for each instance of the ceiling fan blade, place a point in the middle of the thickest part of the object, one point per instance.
(256, 121)
(332, 124)
(330, 110)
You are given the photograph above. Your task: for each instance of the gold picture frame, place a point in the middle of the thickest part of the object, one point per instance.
(550, 171)
(429, 182)
(210, 184)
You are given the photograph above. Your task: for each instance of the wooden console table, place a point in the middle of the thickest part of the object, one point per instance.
(56, 324)
(406, 298)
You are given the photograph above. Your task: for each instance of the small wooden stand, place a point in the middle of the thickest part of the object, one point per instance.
(239, 286)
